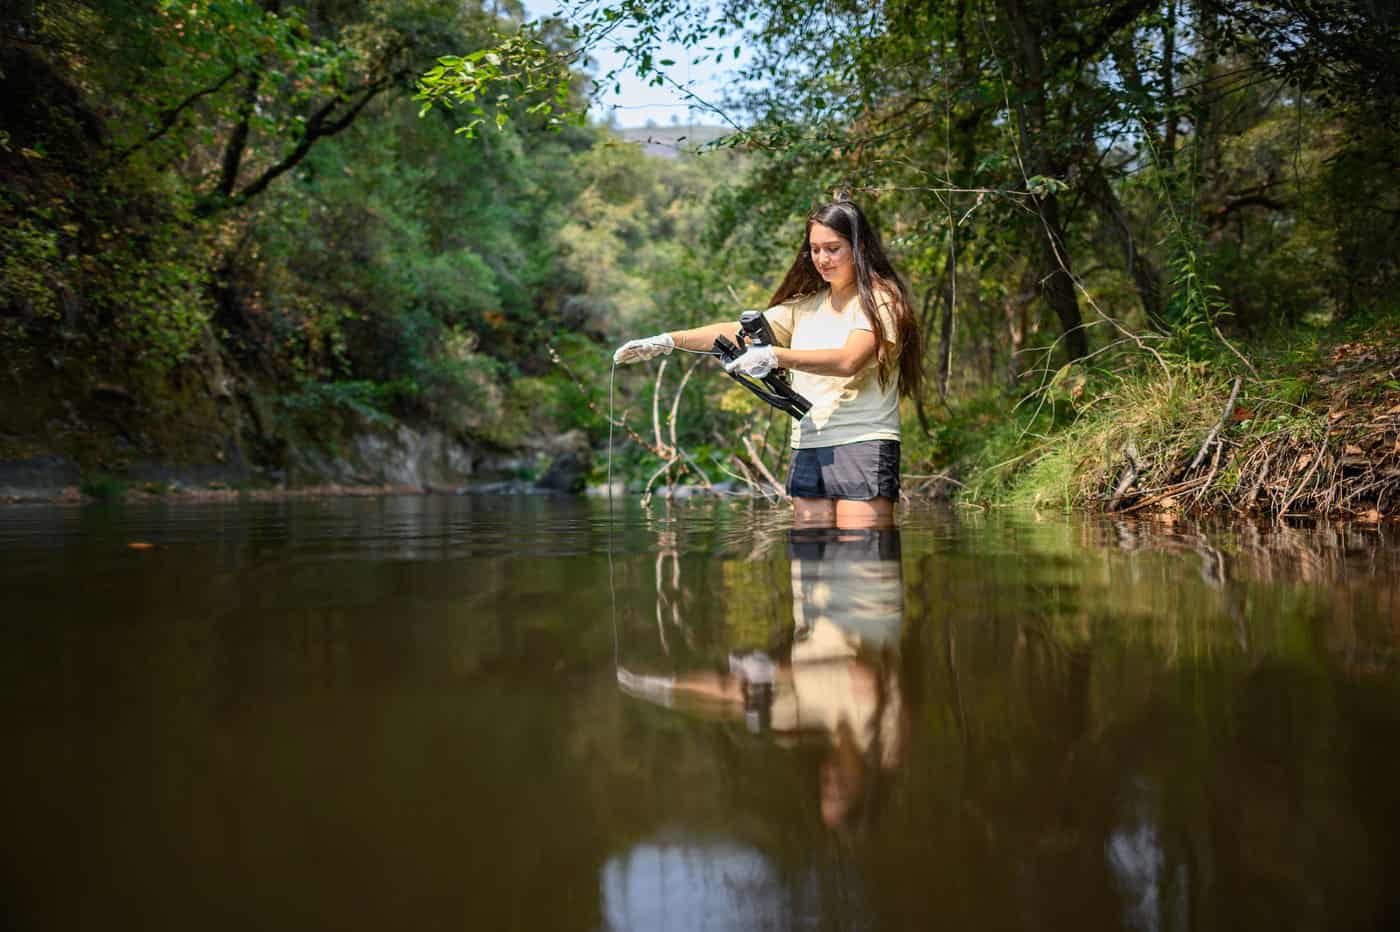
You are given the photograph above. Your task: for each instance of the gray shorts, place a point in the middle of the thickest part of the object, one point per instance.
(855, 471)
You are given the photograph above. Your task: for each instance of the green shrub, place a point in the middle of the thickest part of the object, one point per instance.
(103, 487)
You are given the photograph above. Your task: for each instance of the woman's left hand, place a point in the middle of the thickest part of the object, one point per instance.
(757, 361)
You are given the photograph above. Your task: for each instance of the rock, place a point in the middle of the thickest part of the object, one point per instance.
(618, 489)
(396, 456)
(568, 471)
(405, 456)
(40, 477)
(568, 474)
(502, 487)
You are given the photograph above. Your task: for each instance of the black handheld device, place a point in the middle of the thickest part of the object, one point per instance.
(754, 328)
(773, 387)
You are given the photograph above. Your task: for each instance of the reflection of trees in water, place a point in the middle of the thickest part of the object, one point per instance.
(1106, 723)
(1345, 576)
(1086, 715)
(1193, 590)
(693, 601)
(1327, 553)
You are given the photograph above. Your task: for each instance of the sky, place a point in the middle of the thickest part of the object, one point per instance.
(639, 104)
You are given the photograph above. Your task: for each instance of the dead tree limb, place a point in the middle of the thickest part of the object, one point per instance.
(763, 470)
(1293, 495)
(1215, 431)
(1127, 478)
(676, 402)
(1214, 468)
(1174, 490)
(747, 476)
(656, 407)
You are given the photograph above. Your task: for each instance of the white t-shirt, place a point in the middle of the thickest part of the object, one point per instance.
(844, 410)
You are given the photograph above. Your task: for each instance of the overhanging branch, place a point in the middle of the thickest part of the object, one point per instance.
(316, 128)
(171, 115)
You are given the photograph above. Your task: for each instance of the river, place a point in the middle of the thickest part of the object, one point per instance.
(537, 713)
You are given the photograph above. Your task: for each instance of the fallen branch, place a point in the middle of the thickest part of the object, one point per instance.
(1214, 431)
(675, 446)
(656, 407)
(1293, 496)
(1247, 364)
(931, 478)
(1259, 479)
(593, 406)
(1186, 486)
(696, 470)
(1128, 477)
(762, 469)
(1214, 468)
(665, 468)
(746, 478)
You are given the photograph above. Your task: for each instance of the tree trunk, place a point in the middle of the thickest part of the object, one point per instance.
(1147, 279)
(1028, 66)
(238, 139)
(1169, 86)
(945, 327)
(1018, 324)
(1057, 283)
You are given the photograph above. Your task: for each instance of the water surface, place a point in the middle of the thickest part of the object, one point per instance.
(514, 713)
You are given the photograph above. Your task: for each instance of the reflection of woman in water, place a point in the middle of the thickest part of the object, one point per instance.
(848, 613)
(835, 679)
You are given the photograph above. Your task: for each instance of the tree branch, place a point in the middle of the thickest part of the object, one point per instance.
(171, 115)
(1090, 46)
(1215, 431)
(238, 139)
(1217, 216)
(315, 129)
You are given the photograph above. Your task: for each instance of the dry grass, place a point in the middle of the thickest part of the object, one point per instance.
(1325, 442)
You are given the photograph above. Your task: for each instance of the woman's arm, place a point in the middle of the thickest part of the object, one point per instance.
(703, 338)
(855, 355)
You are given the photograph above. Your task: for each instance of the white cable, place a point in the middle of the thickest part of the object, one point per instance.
(612, 586)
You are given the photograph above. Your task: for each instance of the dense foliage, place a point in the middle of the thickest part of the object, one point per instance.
(235, 201)
(1113, 186)
(258, 212)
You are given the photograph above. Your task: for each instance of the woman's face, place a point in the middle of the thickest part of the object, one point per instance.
(831, 254)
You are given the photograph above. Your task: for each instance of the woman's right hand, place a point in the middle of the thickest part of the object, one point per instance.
(644, 349)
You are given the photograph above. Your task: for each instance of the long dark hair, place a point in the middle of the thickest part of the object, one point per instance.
(875, 278)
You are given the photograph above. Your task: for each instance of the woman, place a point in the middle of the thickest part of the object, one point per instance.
(844, 327)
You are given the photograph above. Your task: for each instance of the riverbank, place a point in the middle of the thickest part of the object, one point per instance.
(1309, 426)
(108, 489)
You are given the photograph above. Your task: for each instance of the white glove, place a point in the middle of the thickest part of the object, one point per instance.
(757, 361)
(658, 689)
(641, 350)
(754, 667)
